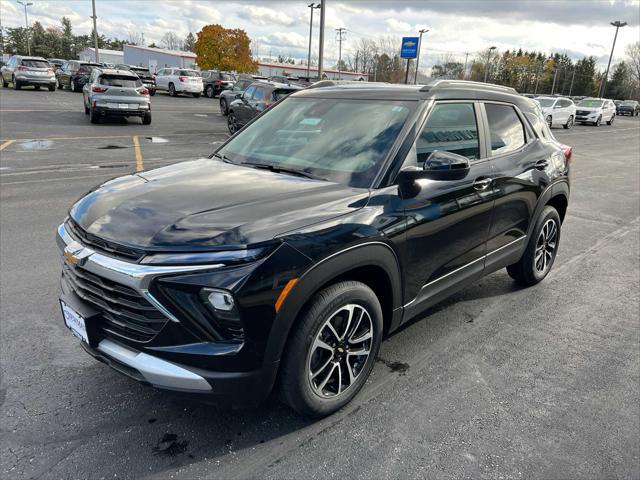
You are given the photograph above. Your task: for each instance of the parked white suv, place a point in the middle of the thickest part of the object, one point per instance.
(595, 111)
(179, 80)
(558, 111)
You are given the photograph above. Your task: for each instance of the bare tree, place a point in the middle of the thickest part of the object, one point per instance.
(170, 41)
(633, 60)
(135, 38)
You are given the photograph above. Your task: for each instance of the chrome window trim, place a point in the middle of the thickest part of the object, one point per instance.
(132, 275)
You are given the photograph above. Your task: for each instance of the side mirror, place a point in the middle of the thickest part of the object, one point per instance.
(239, 95)
(440, 165)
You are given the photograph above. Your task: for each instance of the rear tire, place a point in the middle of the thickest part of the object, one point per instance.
(549, 121)
(16, 84)
(52, 88)
(59, 85)
(196, 95)
(172, 90)
(209, 92)
(152, 92)
(93, 116)
(223, 107)
(569, 123)
(5, 84)
(146, 120)
(340, 320)
(37, 87)
(232, 123)
(598, 122)
(538, 258)
(86, 109)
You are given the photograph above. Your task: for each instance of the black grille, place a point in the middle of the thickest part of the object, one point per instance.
(583, 113)
(125, 313)
(99, 244)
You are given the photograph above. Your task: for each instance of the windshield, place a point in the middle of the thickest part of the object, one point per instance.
(628, 103)
(546, 102)
(590, 103)
(120, 81)
(341, 140)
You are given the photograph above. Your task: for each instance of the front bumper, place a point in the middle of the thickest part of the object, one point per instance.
(172, 359)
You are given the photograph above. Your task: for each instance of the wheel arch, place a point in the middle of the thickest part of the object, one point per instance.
(374, 264)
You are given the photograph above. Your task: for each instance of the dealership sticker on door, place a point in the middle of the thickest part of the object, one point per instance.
(75, 322)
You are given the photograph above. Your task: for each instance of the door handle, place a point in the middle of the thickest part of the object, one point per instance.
(482, 183)
(541, 164)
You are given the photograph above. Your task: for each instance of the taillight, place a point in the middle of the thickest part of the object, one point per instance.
(568, 152)
(97, 89)
(143, 91)
(50, 69)
(181, 79)
(267, 105)
(218, 82)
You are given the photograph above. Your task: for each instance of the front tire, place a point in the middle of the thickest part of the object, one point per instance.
(610, 122)
(538, 258)
(232, 123)
(599, 121)
(172, 90)
(549, 121)
(332, 349)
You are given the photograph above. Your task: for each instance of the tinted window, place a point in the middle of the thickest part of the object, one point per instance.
(259, 94)
(451, 127)
(590, 103)
(507, 132)
(278, 94)
(120, 81)
(249, 92)
(35, 63)
(342, 140)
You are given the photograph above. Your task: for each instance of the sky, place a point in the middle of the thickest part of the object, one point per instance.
(575, 27)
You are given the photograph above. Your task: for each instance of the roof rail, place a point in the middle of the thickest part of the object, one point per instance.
(466, 83)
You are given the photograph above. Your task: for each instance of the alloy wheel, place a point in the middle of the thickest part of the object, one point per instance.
(546, 246)
(549, 121)
(340, 351)
(233, 126)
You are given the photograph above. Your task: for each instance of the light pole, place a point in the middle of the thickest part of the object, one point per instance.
(616, 24)
(415, 78)
(26, 24)
(486, 67)
(312, 6)
(323, 8)
(95, 30)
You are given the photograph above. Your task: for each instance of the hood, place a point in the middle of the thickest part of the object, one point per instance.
(589, 109)
(209, 205)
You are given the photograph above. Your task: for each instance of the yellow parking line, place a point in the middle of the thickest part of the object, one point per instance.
(138, 151)
(6, 144)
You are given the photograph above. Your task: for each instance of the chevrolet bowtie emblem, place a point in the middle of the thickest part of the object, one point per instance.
(409, 43)
(76, 254)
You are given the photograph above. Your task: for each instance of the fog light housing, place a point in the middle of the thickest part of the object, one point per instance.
(219, 300)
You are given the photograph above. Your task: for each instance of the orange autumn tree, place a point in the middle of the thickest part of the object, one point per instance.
(219, 48)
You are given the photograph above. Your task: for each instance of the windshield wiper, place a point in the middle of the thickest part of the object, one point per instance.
(278, 169)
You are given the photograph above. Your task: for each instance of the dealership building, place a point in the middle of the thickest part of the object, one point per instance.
(288, 70)
(157, 58)
(105, 56)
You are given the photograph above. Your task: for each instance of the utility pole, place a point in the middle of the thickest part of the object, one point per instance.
(312, 6)
(323, 8)
(555, 75)
(95, 30)
(26, 24)
(572, 77)
(486, 66)
(616, 24)
(466, 57)
(415, 78)
(341, 31)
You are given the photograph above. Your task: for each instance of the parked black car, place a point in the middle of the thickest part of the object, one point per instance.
(56, 63)
(74, 74)
(143, 73)
(331, 220)
(254, 100)
(240, 85)
(628, 107)
(215, 82)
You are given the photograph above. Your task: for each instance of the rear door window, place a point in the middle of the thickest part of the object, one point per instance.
(507, 131)
(451, 127)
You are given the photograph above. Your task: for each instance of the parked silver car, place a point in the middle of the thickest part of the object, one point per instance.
(112, 92)
(23, 71)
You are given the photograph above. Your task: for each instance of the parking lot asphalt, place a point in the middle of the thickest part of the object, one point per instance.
(496, 382)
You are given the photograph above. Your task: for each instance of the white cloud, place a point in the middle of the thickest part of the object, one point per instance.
(265, 16)
(397, 26)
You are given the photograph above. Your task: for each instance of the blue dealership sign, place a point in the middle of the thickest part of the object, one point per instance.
(409, 47)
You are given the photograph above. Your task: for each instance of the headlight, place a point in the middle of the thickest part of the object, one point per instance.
(204, 258)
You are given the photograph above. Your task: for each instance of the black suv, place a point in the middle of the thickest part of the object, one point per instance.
(628, 107)
(228, 96)
(254, 100)
(329, 221)
(73, 74)
(143, 73)
(215, 82)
